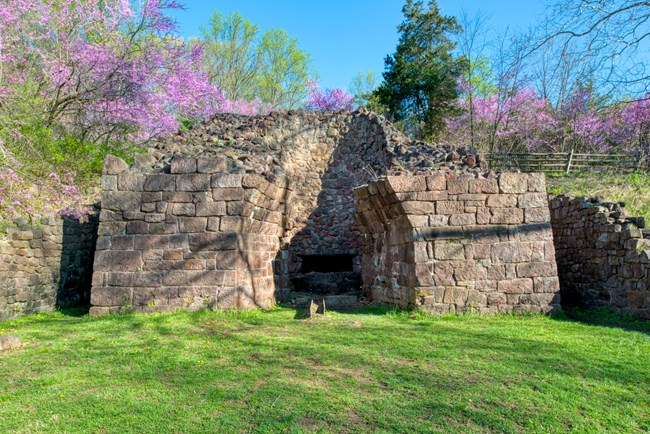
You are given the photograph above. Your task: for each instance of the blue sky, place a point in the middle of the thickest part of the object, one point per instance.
(347, 36)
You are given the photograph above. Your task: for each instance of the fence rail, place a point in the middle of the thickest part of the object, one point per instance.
(567, 162)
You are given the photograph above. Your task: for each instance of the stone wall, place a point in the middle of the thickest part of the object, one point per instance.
(456, 244)
(191, 238)
(603, 259)
(45, 265)
(323, 156)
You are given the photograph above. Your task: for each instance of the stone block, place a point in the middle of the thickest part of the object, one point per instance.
(178, 197)
(483, 216)
(507, 216)
(121, 201)
(231, 224)
(235, 208)
(437, 220)
(22, 235)
(130, 182)
(138, 279)
(546, 284)
(193, 182)
(213, 224)
(227, 194)
(226, 180)
(535, 269)
(137, 227)
(470, 273)
(456, 295)
(151, 197)
(183, 165)
(515, 286)
(160, 182)
(489, 186)
(533, 200)
(200, 278)
(109, 183)
(431, 195)
(212, 165)
(537, 215)
(446, 251)
(209, 209)
(462, 219)
(513, 182)
(114, 166)
(502, 200)
(144, 161)
(107, 260)
(418, 208)
(213, 242)
(505, 252)
(184, 209)
(537, 182)
(161, 242)
(496, 298)
(449, 207)
(457, 185)
(192, 224)
(403, 184)
(109, 296)
(436, 182)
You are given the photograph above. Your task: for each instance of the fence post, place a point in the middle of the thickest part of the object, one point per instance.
(568, 164)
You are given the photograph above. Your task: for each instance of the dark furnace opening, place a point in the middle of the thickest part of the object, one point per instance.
(327, 275)
(327, 263)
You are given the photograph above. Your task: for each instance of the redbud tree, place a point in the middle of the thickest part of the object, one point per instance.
(80, 77)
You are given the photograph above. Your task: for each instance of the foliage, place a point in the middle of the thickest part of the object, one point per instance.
(81, 79)
(362, 87)
(523, 121)
(266, 70)
(328, 99)
(420, 80)
(361, 371)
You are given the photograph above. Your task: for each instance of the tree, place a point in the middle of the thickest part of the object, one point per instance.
(79, 79)
(250, 66)
(328, 99)
(283, 72)
(612, 34)
(421, 77)
(230, 55)
(476, 72)
(362, 87)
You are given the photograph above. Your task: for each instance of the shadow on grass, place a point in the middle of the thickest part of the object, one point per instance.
(604, 318)
(75, 312)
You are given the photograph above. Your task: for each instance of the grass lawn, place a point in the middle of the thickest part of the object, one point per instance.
(370, 370)
(633, 189)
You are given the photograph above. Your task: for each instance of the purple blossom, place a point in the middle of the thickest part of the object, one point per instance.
(328, 99)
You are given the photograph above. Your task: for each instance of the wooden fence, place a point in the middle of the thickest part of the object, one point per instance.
(565, 162)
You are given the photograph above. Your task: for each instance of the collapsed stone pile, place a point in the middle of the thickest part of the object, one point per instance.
(262, 144)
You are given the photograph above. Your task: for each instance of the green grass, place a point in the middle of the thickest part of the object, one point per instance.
(633, 189)
(369, 370)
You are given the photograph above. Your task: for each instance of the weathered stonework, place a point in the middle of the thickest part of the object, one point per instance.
(224, 215)
(187, 239)
(458, 244)
(602, 256)
(229, 214)
(45, 265)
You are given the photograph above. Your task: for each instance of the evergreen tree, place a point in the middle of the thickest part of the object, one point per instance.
(421, 78)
